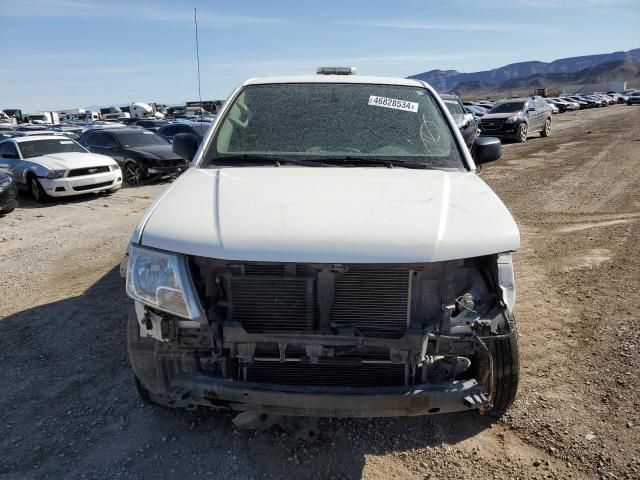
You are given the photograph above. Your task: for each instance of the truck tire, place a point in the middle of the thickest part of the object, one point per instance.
(143, 393)
(546, 130)
(523, 128)
(506, 366)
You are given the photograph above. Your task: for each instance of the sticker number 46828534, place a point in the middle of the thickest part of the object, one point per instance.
(393, 103)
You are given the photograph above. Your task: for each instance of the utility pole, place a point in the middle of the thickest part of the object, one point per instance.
(195, 20)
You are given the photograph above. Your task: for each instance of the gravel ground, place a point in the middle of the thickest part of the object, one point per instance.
(69, 409)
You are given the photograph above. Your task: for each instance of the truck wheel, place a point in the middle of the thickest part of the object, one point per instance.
(546, 131)
(504, 350)
(522, 133)
(36, 190)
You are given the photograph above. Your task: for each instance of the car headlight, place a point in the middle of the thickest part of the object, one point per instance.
(511, 119)
(55, 173)
(161, 280)
(6, 183)
(113, 168)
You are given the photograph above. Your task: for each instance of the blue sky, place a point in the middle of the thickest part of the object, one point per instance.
(72, 53)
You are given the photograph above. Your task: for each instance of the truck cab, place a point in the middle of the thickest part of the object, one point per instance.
(330, 252)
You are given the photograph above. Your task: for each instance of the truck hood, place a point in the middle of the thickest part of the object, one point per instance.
(71, 160)
(329, 215)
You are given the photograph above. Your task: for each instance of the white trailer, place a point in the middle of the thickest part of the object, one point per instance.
(77, 114)
(43, 117)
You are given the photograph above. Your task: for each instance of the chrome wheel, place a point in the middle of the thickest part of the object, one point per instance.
(547, 128)
(522, 133)
(133, 174)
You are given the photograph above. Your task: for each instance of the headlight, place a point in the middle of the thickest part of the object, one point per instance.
(113, 168)
(511, 119)
(55, 173)
(6, 183)
(161, 280)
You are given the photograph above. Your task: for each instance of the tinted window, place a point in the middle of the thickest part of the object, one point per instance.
(8, 147)
(99, 139)
(322, 120)
(36, 148)
(508, 107)
(454, 107)
(169, 131)
(151, 123)
(172, 130)
(139, 139)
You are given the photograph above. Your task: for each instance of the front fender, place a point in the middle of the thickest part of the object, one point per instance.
(37, 170)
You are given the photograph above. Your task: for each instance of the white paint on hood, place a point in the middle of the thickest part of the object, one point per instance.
(71, 160)
(329, 215)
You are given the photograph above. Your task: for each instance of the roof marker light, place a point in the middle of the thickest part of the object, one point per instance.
(336, 71)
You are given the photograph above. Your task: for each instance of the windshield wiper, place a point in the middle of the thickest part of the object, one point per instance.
(263, 160)
(389, 163)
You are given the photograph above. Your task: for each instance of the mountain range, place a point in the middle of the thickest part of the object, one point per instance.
(588, 69)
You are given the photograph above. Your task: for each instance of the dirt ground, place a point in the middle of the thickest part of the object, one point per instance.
(68, 406)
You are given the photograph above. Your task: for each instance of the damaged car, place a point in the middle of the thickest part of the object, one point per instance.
(331, 253)
(141, 154)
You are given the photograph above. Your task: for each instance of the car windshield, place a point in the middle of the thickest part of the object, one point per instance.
(36, 148)
(139, 139)
(329, 121)
(454, 107)
(507, 107)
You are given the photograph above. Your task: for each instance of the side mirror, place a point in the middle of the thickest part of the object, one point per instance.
(467, 118)
(486, 149)
(185, 145)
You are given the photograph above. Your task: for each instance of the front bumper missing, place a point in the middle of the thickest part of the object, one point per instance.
(308, 401)
(174, 379)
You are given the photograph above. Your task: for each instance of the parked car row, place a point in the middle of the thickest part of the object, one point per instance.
(516, 118)
(56, 166)
(73, 158)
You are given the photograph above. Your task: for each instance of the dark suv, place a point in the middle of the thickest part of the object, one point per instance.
(517, 118)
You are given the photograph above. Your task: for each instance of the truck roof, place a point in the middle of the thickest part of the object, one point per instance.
(335, 79)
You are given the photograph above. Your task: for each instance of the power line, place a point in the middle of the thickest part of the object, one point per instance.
(195, 20)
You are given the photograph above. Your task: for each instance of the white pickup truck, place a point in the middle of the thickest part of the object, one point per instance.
(330, 252)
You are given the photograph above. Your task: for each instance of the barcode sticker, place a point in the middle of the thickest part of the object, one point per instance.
(393, 103)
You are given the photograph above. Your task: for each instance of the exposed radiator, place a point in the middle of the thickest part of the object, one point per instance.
(272, 304)
(373, 300)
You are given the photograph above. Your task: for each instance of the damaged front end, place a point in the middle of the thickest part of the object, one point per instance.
(353, 340)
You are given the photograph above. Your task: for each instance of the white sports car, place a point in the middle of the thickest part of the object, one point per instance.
(56, 166)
